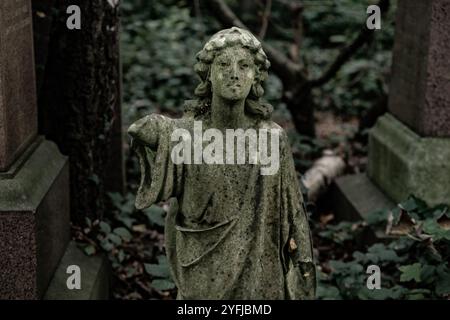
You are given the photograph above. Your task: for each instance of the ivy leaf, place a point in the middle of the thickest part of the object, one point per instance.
(130, 271)
(123, 233)
(116, 199)
(155, 215)
(428, 273)
(89, 250)
(441, 211)
(121, 256)
(433, 228)
(409, 205)
(105, 227)
(359, 256)
(346, 268)
(94, 178)
(106, 245)
(411, 272)
(383, 254)
(328, 292)
(115, 239)
(163, 284)
(162, 260)
(377, 217)
(127, 221)
(443, 281)
(382, 294)
(416, 208)
(157, 270)
(443, 287)
(395, 215)
(418, 294)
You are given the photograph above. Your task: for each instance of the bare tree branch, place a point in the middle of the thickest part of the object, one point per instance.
(198, 15)
(285, 68)
(365, 36)
(346, 53)
(291, 3)
(297, 25)
(297, 87)
(225, 15)
(265, 19)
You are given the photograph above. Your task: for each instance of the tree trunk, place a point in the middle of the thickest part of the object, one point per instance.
(300, 104)
(79, 98)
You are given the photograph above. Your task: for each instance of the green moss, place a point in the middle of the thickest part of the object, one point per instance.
(402, 163)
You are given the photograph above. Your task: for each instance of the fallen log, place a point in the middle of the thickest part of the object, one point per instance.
(324, 170)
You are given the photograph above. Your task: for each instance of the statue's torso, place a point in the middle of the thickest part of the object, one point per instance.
(228, 223)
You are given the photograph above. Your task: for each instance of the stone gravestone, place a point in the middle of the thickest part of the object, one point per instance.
(18, 122)
(34, 176)
(409, 147)
(420, 86)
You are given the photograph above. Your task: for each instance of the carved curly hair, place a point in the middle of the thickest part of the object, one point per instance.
(221, 40)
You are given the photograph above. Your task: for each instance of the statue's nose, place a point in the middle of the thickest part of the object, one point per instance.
(235, 72)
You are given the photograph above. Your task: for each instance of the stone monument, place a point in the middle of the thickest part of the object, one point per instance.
(34, 198)
(409, 147)
(235, 230)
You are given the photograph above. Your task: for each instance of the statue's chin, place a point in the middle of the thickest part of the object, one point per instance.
(233, 97)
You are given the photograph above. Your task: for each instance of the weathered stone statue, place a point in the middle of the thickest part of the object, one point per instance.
(236, 229)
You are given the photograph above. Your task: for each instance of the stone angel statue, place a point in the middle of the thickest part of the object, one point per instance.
(231, 231)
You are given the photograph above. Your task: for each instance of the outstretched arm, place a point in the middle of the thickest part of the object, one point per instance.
(160, 177)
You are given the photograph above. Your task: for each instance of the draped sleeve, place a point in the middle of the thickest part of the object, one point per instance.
(297, 252)
(160, 177)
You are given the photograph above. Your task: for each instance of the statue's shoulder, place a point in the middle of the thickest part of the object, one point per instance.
(272, 125)
(190, 107)
(152, 118)
(154, 123)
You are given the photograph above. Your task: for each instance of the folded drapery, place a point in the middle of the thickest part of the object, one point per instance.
(231, 233)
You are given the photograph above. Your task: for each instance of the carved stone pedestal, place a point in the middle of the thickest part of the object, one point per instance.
(34, 220)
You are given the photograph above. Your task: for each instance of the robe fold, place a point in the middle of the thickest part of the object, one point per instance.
(230, 233)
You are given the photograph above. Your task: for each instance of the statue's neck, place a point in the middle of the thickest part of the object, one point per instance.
(227, 114)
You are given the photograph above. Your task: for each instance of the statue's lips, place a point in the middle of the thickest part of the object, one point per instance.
(234, 86)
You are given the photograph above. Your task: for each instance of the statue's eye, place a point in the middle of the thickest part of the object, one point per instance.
(245, 65)
(223, 64)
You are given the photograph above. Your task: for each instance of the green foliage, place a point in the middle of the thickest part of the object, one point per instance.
(155, 215)
(160, 272)
(128, 237)
(328, 27)
(414, 263)
(364, 79)
(160, 40)
(411, 272)
(159, 44)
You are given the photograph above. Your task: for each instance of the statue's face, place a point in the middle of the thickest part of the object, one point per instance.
(233, 73)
